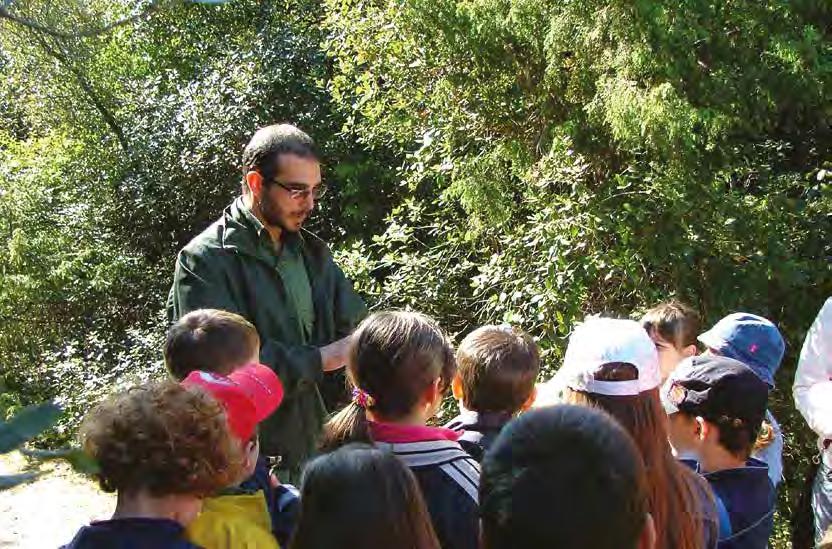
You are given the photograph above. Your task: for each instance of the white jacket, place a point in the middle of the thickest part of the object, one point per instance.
(813, 380)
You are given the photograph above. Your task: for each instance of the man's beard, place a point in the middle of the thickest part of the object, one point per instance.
(274, 215)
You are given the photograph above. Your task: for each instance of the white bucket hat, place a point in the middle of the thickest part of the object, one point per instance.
(598, 341)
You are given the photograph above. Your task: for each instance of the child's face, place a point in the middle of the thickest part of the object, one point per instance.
(683, 431)
(669, 355)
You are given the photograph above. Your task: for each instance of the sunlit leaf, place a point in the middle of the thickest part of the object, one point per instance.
(27, 424)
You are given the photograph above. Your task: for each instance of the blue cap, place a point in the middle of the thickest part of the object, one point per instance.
(717, 386)
(751, 339)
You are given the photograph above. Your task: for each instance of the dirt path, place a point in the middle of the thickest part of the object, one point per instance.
(46, 513)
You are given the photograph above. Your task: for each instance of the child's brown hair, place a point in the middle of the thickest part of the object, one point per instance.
(395, 357)
(161, 438)
(676, 323)
(497, 367)
(210, 340)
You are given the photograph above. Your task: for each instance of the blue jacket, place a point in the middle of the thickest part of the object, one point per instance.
(448, 476)
(478, 430)
(283, 502)
(746, 500)
(132, 533)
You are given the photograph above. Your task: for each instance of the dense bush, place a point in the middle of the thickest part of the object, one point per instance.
(116, 149)
(570, 158)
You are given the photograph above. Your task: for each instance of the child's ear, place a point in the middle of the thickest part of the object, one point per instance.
(689, 351)
(456, 388)
(703, 429)
(433, 392)
(529, 401)
(250, 452)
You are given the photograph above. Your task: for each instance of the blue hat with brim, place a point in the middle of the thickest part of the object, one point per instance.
(751, 339)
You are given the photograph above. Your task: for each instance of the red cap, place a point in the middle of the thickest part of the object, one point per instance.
(249, 395)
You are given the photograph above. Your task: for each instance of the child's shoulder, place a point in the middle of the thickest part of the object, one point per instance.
(234, 520)
(131, 532)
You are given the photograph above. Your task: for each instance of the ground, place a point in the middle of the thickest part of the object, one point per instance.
(48, 511)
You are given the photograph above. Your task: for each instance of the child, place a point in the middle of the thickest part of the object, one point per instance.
(613, 365)
(401, 365)
(757, 343)
(212, 341)
(673, 327)
(716, 406)
(565, 477)
(220, 342)
(360, 496)
(496, 370)
(237, 516)
(813, 397)
(162, 448)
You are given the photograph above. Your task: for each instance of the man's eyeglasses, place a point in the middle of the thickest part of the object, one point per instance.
(302, 192)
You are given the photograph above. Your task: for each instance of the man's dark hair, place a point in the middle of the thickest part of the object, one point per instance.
(262, 154)
(209, 340)
(563, 477)
(497, 366)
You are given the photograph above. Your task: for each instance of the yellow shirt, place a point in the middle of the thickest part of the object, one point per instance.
(233, 521)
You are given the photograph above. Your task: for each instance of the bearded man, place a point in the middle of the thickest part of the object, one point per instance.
(257, 262)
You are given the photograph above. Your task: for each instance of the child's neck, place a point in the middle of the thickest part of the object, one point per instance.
(415, 419)
(143, 505)
(719, 459)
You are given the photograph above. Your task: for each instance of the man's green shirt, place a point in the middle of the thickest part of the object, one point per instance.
(299, 300)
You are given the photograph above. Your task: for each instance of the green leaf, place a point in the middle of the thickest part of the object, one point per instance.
(10, 481)
(76, 457)
(27, 424)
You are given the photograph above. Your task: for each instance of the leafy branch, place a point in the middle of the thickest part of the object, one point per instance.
(144, 13)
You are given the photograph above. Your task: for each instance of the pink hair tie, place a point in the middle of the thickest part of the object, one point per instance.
(362, 399)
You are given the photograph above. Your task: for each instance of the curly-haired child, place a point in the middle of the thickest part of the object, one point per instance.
(162, 448)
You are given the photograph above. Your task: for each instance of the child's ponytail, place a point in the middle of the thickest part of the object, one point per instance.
(765, 436)
(348, 425)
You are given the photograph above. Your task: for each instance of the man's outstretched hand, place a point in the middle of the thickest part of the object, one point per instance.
(336, 355)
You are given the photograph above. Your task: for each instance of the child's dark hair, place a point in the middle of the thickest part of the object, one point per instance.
(676, 323)
(395, 357)
(736, 435)
(209, 340)
(497, 366)
(360, 496)
(161, 438)
(563, 476)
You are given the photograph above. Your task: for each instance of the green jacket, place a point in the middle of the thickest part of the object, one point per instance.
(232, 265)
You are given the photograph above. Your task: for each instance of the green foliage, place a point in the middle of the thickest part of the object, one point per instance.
(27, 424)
(122, 146)
(597, 157)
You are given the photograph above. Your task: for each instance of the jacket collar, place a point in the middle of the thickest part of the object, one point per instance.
(753, 470)
(477, 421)
(244, 233)
(395, 433)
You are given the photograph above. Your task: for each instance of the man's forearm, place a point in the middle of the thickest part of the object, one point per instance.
(336, 355)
